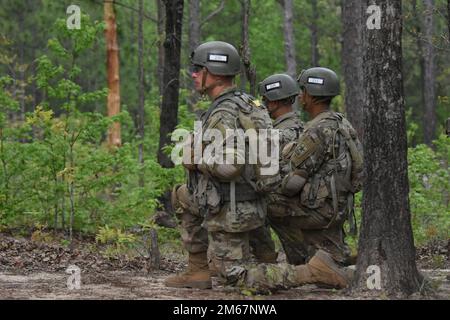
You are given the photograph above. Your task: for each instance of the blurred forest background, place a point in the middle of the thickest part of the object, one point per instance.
(58, 169)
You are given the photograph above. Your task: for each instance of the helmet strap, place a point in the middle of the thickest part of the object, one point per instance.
(275, 110)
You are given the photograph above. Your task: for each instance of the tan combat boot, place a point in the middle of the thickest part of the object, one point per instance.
(196, 276)
(322, 269)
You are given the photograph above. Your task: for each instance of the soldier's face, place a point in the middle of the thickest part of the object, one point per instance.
(272, 106)
(197, 75)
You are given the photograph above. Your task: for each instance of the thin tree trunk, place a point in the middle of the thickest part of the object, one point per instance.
(71, 190)
(141, 109)
(194, 24)
(314, 35)
(289, 38)
(155, 257)
(172, 49)
(194, 41)
(112, 61)
(55, 206)
(448, 18)
(250, 72)
(417, 112)
(160, 27)
(21, 72)
(352, 62)
(386, 238)
(429, 76)
(63, 204)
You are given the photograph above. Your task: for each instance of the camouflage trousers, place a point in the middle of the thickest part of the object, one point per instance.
(229, 253)
(302, 233)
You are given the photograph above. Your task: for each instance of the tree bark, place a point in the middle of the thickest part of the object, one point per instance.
(250, 72)
(289, 38)
(112, 62)
(194, 24)
(194, 41)
(386, 238)
(172, 49)
(141, 106)
(429, 75)
(417, 112)
(448, 18)
(315, 57)
(160, 27)
(352, 22)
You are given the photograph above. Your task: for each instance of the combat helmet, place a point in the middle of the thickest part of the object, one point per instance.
(319, 82)
(220, 58)
(278, 87)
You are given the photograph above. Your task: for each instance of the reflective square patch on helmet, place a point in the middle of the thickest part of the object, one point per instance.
(314, 80)
(215, 57)
(272, 86)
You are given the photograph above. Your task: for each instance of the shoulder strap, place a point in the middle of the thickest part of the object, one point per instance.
(215, 103)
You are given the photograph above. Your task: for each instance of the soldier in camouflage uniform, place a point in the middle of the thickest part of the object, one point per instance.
(219, 205)
(279, 92)
(326, 169)
(222, 199)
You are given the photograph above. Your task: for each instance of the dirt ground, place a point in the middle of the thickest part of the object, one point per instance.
(30, 270)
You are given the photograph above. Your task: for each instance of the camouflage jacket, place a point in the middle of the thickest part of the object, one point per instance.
(231, 206)
(290, 128)
(329, 155)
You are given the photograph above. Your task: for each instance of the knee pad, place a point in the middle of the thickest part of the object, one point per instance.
(183, 196)
(180, 198)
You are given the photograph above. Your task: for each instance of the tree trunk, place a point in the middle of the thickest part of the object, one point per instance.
(352, 23)
(386, 238)
(141, 109)
(194, 41)
(112, 62)
(169, 106)
(194, 24)
(314, 35)
(250, 72)
(417, 112)
(289, 38)
(429, 76)
(160, 27)
(448, 18)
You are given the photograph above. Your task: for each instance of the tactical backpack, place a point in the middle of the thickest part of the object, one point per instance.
(343, 171)
(251, 115)
(353, 181)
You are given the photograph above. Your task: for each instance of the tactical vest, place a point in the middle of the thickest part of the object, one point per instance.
(342, 169)
(251, 115)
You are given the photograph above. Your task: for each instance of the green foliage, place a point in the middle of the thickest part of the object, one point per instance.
(63, 168)
(429, 178)
(54, 161)
(429, 195)
(117, 242)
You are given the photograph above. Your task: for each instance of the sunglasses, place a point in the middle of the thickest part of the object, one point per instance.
(195, 68)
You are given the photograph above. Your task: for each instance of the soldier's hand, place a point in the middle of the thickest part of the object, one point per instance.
(189, 155)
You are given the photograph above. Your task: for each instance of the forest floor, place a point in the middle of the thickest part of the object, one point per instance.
(32, 269)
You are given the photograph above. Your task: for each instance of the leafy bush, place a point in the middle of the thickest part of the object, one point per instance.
(429, 195)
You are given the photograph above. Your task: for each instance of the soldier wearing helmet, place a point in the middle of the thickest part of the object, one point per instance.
(220, 206)
(326, 171)
(279, 92)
